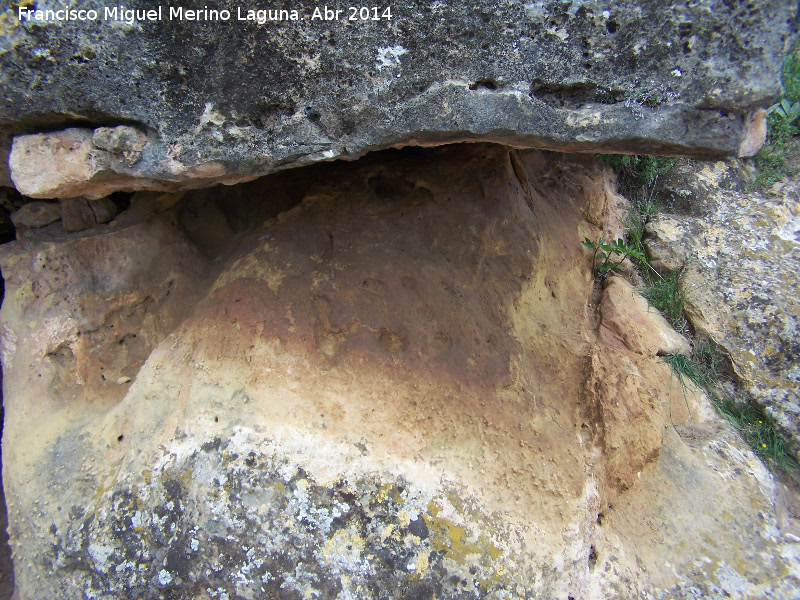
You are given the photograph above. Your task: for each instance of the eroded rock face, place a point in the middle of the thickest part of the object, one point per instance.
(628, 321)
(380, 380)
(226, 101)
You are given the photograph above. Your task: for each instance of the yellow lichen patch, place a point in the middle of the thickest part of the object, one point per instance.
(452, 539)
(387, 491)
(494, 552)
(421, 563)
(342, 543)
(186, 477)
(8, 23)
(387, 531)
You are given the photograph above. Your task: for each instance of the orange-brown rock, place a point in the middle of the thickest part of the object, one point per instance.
(370, 380)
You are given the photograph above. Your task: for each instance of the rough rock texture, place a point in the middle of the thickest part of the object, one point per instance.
(628, 320)
(81, 213)
(669, 241)
(67, 163)
(741, 282)
(95, 163)
(231, 100)
(377, 380)
(36, 214)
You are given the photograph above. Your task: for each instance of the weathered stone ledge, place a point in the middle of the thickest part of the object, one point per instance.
(95, 163)
(222, 102)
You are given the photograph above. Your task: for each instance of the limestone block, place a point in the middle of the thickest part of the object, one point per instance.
(605, 76)
(47, 165)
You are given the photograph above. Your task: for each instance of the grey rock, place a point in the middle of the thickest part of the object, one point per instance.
(685, 188)
(36, 214)
(225, 101)
(670, 241)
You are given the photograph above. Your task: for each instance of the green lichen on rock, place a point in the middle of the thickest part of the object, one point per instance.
(237, 518)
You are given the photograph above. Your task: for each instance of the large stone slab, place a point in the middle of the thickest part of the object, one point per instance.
(229, 100)
(378, 380)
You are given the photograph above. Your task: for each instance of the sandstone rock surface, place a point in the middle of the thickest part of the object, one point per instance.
(377, 380)
(81, 213)
(226, 101)
(628, 320)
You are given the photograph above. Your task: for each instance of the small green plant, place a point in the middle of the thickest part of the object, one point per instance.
(772, 162)
(758, 430)
(611, 254)
(790, 74)
(637, 175)
(639, 214)
(638, 169)
(684, 367)
(785, 110)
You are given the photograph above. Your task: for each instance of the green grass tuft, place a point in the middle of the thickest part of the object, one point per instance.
(790, 74)
(664, 293)
(772, 162)
(758, 430)
(705, 370)
(640, 169)
(684, 367)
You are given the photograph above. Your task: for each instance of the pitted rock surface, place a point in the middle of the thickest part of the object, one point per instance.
(213, 101)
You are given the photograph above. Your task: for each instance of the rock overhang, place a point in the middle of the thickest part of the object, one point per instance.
(227, 101)
(383, 375)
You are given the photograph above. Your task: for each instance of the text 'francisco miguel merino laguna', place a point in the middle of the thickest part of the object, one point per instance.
(177, 13)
